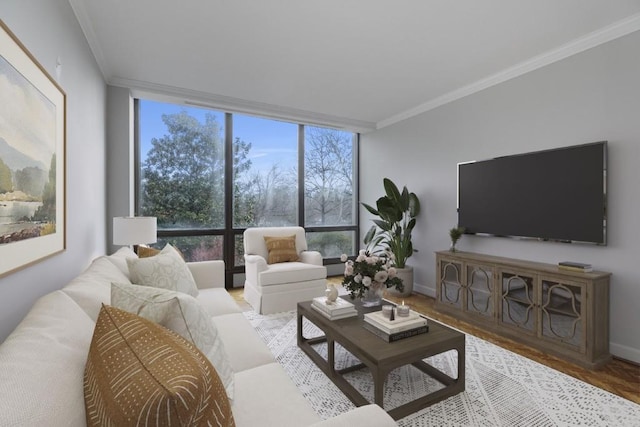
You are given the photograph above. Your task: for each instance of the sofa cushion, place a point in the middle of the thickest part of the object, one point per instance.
(166, 270)
(41, 365)
(183, 315)
(281, 249)
(139, 373)
(119, 259)
(292, 272)
(93, 286)
(266, 396)
(217, 301)
(244, 346)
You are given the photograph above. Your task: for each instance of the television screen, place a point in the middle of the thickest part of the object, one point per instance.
(557, 194)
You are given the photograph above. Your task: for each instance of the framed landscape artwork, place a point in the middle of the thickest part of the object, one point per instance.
(32, 158)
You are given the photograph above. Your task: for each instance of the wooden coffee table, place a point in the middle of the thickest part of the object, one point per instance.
(382, 357)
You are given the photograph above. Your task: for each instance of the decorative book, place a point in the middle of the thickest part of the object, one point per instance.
(339, 306)
(399, 324)
(575, 266)
(335, 316)
(396, 336)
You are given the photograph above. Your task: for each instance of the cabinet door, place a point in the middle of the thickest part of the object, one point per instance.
(450, 283)
(562, 310)
(479, 290)
(517, 301)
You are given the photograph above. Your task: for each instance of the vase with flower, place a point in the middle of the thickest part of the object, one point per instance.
(367, 276)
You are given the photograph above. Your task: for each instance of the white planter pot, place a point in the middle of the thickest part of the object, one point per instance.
(406, 274)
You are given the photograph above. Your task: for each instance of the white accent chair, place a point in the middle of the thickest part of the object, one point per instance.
(272, 288)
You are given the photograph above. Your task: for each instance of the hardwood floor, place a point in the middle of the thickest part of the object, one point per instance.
(619, 377)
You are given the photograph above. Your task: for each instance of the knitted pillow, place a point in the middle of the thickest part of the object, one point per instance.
(181, 313)
(167, 270)
(281, 249)
(139, 373)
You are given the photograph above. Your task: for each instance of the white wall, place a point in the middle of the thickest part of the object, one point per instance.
(48, 28)
(588, 97)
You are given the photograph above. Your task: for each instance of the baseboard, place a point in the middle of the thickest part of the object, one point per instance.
(626, 353)
(424, 290)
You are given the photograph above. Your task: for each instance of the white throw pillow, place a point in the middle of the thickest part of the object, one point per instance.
(167, 270)
(182, 314)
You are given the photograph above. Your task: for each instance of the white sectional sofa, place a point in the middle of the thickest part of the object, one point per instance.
(42, 362)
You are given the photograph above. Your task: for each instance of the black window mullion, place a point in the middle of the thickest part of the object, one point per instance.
(301, 175)
(229, 237)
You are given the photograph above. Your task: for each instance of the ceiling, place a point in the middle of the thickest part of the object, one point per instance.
(357, 64)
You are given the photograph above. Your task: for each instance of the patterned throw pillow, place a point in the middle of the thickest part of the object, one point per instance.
(139, 373)
(281, 249)
(167, 270)
(183, 315)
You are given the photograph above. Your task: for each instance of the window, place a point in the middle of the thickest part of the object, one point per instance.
(208, 175)
(265, 190)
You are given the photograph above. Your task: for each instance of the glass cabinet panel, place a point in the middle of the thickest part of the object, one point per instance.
(518, 301)
(450, 285)
(561, 309)
(479, 290)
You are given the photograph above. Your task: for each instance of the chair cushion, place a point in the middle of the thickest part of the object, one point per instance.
(139, 373)
(183, 315)
(281, 249)
(167, 270)
(278, 274)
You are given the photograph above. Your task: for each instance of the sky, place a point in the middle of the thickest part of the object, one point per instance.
(272, 141)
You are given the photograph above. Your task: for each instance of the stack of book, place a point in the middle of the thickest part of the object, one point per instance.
(339, 309)
(575, 266)
(396, 329)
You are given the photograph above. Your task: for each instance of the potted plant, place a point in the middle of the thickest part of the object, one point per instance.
(391, 232)
(455, 233)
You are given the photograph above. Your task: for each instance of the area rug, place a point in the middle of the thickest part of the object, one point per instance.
(502, 388)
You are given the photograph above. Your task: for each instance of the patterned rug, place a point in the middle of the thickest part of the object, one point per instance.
(502, 388)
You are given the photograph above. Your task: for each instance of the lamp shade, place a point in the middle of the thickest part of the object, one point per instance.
(134, 230)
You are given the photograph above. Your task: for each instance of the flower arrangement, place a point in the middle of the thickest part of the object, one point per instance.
(369, 271)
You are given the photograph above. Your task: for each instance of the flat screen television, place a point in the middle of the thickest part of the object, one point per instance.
(555, 195)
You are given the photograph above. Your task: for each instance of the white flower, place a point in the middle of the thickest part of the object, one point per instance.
(381, 276)
(362, 252)
(343, 257)
(392, 272)
(366, 280)
(370, 260)
(361, 258)
(357, 278)
(348, 270)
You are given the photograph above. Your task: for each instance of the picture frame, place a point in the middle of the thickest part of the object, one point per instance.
(32, 158)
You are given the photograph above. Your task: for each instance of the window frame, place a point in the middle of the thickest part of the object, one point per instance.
(229, 232)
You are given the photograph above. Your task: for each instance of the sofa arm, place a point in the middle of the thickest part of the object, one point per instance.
(253, 266)
(207, 274)
(363, 416)
(311, 257)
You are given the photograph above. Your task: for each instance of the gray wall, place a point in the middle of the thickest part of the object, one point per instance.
(588, 97)
(120, 158)
(48, 28)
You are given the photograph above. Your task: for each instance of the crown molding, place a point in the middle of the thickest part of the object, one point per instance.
(236, 105)
(591, 40)
(80, 10)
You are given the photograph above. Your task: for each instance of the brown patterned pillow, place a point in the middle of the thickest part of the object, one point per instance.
(140, 373)
(281, 249)
(146, 251)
